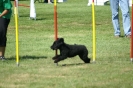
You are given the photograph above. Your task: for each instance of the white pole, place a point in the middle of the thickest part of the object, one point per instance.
(32, 10)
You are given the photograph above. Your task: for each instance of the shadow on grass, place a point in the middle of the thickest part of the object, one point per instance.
(27, 57)
(74, 64)
(122, 36)
(41, 19)
(37, 19)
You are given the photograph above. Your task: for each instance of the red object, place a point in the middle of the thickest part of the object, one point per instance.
(23, 5)
(55, 25)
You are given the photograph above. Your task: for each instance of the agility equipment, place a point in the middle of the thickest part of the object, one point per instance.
(98, 2)
(94, 31)
(55, 20)
(32, 10)
(16, 25)
(55, 24)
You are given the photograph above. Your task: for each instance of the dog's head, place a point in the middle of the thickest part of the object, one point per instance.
(57, 44)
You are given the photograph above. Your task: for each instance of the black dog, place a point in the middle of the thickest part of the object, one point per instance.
(67, 50)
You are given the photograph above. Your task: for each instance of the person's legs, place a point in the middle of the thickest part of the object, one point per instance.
(2, 51)
(45, 1)
(114, 4)
(3, 31)
(124, 4)
(49, 1)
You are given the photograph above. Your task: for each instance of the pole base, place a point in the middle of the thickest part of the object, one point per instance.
(18, 64)
(93, 61)
(131, 59)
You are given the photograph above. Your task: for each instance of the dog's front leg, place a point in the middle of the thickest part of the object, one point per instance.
(61, 57)
(55, 57)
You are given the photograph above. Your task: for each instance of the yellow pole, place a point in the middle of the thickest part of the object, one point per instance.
(54, 2)
(94, 31)
(16, 25)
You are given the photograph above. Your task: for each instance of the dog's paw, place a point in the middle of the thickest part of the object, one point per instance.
(56, 60)
(55, 57)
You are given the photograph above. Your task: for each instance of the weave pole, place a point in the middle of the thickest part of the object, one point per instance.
(16, 25)
(131, 51)
(55, 23)
(94, 31)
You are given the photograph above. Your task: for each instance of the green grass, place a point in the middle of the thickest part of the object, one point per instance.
(112, 68)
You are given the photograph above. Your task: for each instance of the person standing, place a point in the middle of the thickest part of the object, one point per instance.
(124, 6)
(5, 15)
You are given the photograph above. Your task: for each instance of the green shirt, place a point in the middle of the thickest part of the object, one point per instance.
(6, 4)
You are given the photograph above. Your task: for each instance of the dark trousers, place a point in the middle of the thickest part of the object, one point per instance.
(3, 31)
(45, 1)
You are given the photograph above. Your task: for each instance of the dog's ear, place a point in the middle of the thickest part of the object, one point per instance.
(62, 40)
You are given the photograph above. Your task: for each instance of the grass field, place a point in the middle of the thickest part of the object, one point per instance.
(112, 68)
